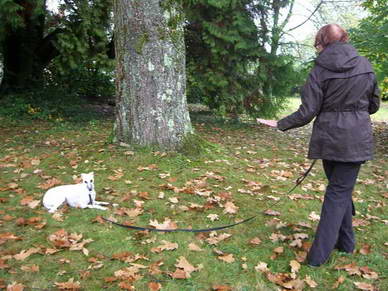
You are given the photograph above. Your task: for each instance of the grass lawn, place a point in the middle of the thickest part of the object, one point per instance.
(243, 170)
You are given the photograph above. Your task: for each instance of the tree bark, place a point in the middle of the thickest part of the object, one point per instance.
(151, 107)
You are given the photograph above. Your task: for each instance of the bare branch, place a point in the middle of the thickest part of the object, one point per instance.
(308, 18)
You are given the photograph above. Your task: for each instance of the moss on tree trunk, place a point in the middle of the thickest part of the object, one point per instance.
(151, 106)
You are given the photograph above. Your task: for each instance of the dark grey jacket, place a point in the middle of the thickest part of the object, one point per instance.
(341, 92)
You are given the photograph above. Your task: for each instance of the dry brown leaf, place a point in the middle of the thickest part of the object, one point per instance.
(255, 241)
(154, 286)
(186, 267)
(49, 183)
(310, 282)
(165, 246)
(262, 267)
(221, 288)
(25, 254)
(230, 208)
(272, 212)
(364, 286)
(314, 217)
(194, 247)
(15, 287)
(31, 268)
(215, 239)
(228, 258)
(167, 224)
(365, 249)
(69, 285)
(295, 266)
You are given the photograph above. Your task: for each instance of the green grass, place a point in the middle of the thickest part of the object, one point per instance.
(237, 152)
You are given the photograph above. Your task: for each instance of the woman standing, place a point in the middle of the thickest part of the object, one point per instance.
(341, 92)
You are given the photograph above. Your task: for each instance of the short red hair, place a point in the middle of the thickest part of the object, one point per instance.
(330, 33)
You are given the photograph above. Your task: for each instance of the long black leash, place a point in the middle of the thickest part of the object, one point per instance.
(297, 183)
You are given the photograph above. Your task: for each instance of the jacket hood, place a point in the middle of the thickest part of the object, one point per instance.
(338, 57)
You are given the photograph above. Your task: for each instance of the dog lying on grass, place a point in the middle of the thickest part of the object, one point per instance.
(80, 195)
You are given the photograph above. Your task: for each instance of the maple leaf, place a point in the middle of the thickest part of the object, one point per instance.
(314, 217)
(49, 183)
(25, 254)
(33, 268)
(69, 285)
(154, 286)
(228, 258)
(186, 267)
(213, 217)
(15, 287)
(262, 267)
(365, 249)
(221, 288)
(215, 239)
(194, 247)
(167, 224)
(272, 212)
(295, 266)
(364, 286)
(255, 241)
(310, 282)
(165, 246)
(230, 208)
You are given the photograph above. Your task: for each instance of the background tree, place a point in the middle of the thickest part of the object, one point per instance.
(151, 104)
(31, 37)
(228, 64)
(370, 38)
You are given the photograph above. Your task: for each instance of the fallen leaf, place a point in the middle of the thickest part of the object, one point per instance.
(262, 267)
(165, 246)
(295, 266)
(365, 249)
(167, 224)
(230, 208)
(215, 239)
(272, 212)
(15, 287)
(154, 286)
(32, 268)
(255, 241)
(310, 282)
(364, 286)
(213, 217)
(25, 254)
(221, 288)
(314, 217)
(339, 281)
(69, 285)
(228, 258)
(194, 247)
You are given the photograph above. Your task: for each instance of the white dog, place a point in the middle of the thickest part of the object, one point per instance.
(80, 195)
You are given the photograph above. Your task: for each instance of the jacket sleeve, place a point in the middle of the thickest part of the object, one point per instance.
(312, 98)
(374, 100)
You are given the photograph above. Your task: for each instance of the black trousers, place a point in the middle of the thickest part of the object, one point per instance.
(335, 228)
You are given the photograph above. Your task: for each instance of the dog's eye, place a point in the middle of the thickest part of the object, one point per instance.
(86, 182)
(91, 181)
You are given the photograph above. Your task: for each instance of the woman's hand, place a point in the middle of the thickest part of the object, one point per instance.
(271, 123)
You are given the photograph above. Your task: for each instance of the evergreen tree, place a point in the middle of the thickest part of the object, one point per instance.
(31, 37)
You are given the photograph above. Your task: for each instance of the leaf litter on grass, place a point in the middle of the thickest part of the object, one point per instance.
(215, 188)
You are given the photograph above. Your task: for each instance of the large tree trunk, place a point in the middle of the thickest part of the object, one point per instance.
(151, 106)
(23, 67)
